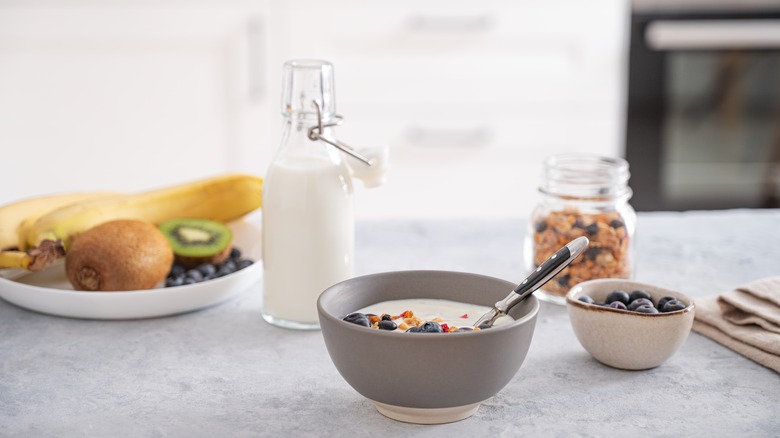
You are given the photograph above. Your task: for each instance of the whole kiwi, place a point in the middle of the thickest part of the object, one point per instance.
(118, 255)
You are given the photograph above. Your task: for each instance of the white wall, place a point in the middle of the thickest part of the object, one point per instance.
(470, 96)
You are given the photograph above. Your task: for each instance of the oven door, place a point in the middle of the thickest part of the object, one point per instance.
(703, 119)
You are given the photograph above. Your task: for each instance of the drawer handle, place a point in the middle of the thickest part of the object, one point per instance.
(450, 24)
(256, 75)
(449, 137)
(713, 34)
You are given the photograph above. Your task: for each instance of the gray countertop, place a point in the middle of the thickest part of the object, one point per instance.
(223, 371)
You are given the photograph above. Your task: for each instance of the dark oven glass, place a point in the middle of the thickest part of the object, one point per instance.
(703, 127)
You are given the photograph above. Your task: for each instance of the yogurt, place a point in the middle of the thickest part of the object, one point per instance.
(452, 313)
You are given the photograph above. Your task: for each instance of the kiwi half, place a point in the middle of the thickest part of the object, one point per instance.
(198, 241)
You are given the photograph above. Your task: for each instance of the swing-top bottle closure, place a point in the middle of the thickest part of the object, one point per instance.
(314, 100)
(315, 133)
(372, 165)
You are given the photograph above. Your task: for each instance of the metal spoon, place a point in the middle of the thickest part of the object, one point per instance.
(544, 273)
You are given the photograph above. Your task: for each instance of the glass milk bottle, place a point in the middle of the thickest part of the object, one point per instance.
(308, 220)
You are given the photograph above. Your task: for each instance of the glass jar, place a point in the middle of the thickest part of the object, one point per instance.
(582, 195)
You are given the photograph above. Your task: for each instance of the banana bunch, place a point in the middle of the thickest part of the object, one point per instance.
(36, 232)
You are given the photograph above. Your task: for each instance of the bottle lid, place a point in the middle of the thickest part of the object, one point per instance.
(304, 81)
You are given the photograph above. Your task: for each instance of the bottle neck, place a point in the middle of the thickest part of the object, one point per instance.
(297, 144)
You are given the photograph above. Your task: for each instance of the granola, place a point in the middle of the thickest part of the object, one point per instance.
(608, 254)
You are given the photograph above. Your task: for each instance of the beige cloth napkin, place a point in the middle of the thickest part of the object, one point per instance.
(746, 320)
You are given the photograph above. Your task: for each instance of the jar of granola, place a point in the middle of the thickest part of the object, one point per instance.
(582, 195)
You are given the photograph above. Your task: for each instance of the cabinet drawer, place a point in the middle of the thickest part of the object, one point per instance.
(443, 134)
(456, 51)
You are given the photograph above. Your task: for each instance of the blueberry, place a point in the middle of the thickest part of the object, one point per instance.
(221, 272)
(387, 317)
(235, 253)
(647, 308)
(591, 253)
(207, 270)
(541, 226)
(414, 329)
(174, 281)
(616, 223)
(672, 306)
(358, 318)
(195, 275)
(617, 305)
(617, 295)
(177, 270)
(189, 280)
(639, 294)
(353, 316)
(387, 325)
(564, 280)
(592, 229)
(586, 299)
(663, 301)
(243, 263)
(639, 302)
(431, 327)
(226, 268)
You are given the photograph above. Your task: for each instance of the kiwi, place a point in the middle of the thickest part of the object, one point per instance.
(118, 255)
(198, 241)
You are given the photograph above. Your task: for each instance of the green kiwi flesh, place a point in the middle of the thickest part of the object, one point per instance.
(196, 241)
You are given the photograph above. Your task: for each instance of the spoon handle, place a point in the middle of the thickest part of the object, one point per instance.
(543, 273)
(552, 266)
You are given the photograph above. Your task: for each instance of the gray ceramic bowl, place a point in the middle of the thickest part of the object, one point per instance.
(624, 339)
(425, 377)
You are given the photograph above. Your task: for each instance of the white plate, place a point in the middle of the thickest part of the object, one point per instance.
(50, 292)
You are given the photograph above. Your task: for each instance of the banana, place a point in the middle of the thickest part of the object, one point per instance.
(48, 252)
(15, 259)
(222, 198)
(16, 215)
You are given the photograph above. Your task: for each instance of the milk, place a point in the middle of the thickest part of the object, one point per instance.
(308, 236)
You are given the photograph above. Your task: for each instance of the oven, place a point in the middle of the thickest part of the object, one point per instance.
(703, 111)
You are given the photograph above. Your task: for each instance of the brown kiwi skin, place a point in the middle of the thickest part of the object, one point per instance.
(118, 255)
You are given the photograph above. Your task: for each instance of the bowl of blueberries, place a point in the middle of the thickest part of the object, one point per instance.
(629, 325)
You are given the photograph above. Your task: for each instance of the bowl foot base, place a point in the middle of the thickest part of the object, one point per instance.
(426, 415)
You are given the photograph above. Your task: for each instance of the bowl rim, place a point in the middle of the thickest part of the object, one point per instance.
(571, 301)
(350, 326)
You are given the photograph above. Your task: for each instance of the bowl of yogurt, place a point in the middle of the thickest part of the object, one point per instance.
(425, 376)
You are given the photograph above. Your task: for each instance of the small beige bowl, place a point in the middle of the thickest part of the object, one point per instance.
(624, 339)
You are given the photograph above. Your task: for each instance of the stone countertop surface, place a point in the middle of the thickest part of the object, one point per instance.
(223, 371)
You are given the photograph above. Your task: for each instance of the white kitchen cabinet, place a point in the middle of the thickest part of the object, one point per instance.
(124, 95)
(470, 96)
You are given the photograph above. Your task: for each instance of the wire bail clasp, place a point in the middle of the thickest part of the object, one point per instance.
(315, 133)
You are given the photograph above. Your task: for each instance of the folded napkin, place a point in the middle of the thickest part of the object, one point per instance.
(746, 320)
